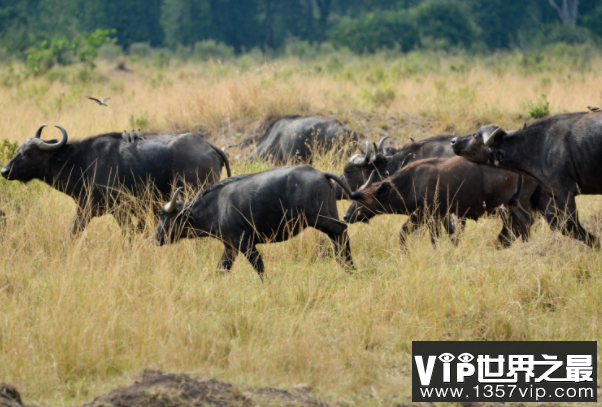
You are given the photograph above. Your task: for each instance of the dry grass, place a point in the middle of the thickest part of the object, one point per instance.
(80, 316)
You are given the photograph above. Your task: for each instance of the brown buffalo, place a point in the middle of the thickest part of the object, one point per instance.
(433, 188)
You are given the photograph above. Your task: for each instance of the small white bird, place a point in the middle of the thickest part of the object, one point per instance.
(594, 109)
(126, 136)
(101, 102)
(139, 135)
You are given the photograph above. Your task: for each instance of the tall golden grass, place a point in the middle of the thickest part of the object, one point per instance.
(81, 316)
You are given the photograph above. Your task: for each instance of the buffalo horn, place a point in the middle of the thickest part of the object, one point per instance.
(368, 152)
(39, 131)
(42, 145)
(488, 138)
(368, 183)
(171, 205)
(381, 143)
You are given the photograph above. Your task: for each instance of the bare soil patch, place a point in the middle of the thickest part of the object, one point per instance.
(156, 389)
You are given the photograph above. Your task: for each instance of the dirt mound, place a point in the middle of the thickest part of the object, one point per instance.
(9, 396)
(155, 389)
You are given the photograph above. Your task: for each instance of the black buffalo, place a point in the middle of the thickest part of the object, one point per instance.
(295, 137)
(252, 209)
(563, 152)
(96, 171)
(434, 188)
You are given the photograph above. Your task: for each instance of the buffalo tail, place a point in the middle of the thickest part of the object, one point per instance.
(336, 179)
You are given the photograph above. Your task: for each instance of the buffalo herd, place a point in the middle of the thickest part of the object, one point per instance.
(439, 180)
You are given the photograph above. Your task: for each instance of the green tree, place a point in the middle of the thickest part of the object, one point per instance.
(447, 20)
(376, 31)
(186, 22)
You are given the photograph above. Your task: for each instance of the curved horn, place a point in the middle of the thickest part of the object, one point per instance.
(39, 131)
(488, 139)
(171, 205)
(368, 183)
(42, 145)
(368, 152)
(381, 144)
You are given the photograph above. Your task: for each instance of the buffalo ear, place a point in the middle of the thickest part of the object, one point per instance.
(380, 163)
(383, 190)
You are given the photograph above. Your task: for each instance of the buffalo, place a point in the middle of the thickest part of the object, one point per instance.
(96, 171)
(251, 209)
(433, 188)
(358, 168)
(563, 152)
(300, 137)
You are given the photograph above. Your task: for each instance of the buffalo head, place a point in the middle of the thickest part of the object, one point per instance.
(367, 201)
(32, 157)
(478, 147)
(358, 168)
(173, 221)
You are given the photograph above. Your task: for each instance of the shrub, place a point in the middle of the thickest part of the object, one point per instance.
(300, 49)
(209, 49)
(562, 33)
(7, 151)
(539, 110)
(82, 47)
(375, 31)
(110, 52)
(141, 49)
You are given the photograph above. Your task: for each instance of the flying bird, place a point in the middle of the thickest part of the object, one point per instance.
(594, 109)
(101, 102)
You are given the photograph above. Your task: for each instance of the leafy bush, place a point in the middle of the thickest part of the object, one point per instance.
(209, 49)
(300, 49)
(110, 52)
(539, 110)
(62, 51)
(376, 31)
(446, 20)
(561, 33)
(7, 151)
(140, 49)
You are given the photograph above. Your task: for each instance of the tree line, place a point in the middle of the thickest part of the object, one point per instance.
(361, 25)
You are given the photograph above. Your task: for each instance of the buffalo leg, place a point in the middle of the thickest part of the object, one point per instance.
(227, 260)
(255, 259)
(521, 222)
(562, 214)
(337, 232)
(450, 228)
(505, 238)
(342, 250)
(410, 226)
(435, 230)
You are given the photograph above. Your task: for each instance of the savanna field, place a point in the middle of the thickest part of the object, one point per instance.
(79, 317)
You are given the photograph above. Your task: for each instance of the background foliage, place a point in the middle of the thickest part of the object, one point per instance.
(361, 25)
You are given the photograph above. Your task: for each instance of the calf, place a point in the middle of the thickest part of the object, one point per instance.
(252, 209)
(433, 188)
